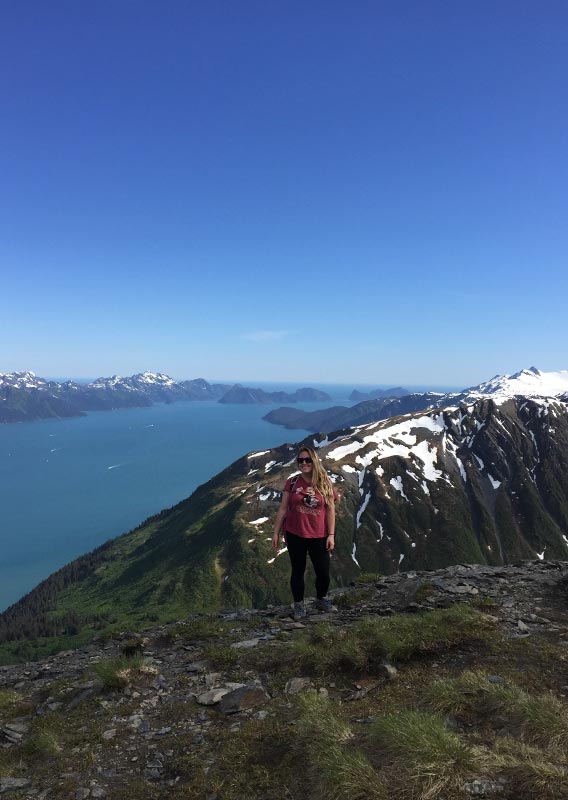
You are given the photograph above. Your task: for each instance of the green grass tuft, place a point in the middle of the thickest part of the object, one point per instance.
(118, 673)
(532, 772)
(540, 718)
(329, 649)
(43, 743)
(221, 656)
(423, 758)
(11, 704)
(337, 771)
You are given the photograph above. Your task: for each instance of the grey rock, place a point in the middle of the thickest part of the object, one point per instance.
(197, 666)
(212, 678)
(244, 698)
(83, 695)
(14, 732)
(246, 644)
(462, 588)
(160, 682)
(484, 787)
(10, 784)
(403, 592)
(212, 696)
(296, 685)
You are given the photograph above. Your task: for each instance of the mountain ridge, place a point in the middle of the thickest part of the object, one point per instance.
(485, 483)
(527, 382)
(25, 397)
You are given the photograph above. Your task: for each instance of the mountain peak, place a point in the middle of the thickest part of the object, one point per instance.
(530, 382)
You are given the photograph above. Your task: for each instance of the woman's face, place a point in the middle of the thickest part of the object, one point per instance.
(306, 467)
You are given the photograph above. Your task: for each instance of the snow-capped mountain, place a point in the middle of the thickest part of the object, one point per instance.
(485, 482)
(141, 381)
(526, 383)
(25, 380)
(24, 396)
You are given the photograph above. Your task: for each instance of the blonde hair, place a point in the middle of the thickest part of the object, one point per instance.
(320, 478)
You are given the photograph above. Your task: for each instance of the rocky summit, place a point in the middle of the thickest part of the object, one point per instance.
(445, 684)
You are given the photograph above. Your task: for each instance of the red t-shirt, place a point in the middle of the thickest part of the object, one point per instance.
(306, 515)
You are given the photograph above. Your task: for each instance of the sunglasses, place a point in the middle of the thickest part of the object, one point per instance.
(305, 460)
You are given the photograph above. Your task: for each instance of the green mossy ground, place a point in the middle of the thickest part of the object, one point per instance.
(466, 704)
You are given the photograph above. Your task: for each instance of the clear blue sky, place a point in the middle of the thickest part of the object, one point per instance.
(312, 191)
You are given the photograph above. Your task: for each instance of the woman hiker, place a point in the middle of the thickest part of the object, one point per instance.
(307, 512)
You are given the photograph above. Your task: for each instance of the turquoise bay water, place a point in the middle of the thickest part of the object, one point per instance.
(66, 486)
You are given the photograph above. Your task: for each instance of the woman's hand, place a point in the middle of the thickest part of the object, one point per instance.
(275, 540)
(330, 543)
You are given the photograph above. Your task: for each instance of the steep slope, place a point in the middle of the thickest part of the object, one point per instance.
(486, 483)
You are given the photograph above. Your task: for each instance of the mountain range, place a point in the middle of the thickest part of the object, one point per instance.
(528, 382)
(24, 397)
(485, 481)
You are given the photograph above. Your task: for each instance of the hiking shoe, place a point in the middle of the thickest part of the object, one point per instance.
(299, 611)
(323, 604)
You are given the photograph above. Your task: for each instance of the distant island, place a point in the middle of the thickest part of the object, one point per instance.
(25, 397)
(242, 394)
(375, 394)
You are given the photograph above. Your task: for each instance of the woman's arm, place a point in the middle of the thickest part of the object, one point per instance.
(330, 522)
(280, 517)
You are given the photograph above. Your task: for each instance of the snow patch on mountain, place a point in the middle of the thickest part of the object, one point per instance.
(528, 382)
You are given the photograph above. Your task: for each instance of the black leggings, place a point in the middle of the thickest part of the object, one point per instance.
(298, 548)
